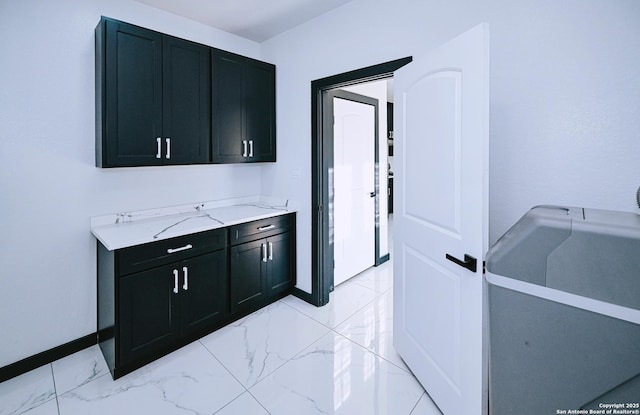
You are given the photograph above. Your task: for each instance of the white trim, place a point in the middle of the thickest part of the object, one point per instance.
(601, 307)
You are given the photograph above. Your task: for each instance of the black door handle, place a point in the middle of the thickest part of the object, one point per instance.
(469, 262)
(372, 194)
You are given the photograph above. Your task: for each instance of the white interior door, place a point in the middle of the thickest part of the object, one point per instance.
(441, 138)
(354, 187)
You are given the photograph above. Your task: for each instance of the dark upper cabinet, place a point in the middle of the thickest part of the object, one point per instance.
(261, 109)
(186, 101)
(153, 100)
(243, 109)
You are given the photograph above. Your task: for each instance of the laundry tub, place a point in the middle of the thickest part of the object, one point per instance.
(564, 312)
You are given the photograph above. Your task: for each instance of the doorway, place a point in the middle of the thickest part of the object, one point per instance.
(322, 172)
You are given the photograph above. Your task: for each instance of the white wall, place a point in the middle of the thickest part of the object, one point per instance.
(565, 95)
(49, 186)
(378, 90)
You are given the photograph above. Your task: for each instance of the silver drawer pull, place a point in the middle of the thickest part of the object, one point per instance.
(185, 271)
(270, 251)
(182, 248)
(264, 228)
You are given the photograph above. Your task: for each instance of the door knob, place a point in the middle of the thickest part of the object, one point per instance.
(372, 194)
(469, 262)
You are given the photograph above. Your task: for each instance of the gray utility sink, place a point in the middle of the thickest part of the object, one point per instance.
(564, 311)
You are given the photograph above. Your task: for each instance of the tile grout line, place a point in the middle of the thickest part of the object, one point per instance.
(416, 404)
(361, 308)
(238, 397)
(374, 353)
(238, 380)
(288, 360)
(304, 314)
(247, 389)
(55, 389)
(257, 400)
(366, 348)
(377, 294)
(228, 371)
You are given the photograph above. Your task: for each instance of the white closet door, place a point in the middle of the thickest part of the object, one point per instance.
(354, 188)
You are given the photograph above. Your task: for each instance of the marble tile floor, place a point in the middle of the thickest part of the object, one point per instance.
(288, 358)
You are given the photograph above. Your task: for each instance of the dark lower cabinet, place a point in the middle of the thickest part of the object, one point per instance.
(249, 285)
(157, 297)
(204, 298)
(147, 313)
(280, 263)
(264, 268)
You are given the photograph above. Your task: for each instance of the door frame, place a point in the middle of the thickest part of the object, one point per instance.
(321, 161)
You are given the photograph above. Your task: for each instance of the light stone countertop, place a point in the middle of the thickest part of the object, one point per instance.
(121, 230)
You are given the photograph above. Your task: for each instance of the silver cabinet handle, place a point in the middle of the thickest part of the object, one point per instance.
(270, 251)
(250, 148)
(185, 271)
(159, 142)
(264, 228)
(244, 148)
(175, 281)
(182, 248)
(264, 252)
(168, 140)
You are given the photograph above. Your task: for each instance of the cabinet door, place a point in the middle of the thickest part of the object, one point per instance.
(248, 282)
(260, 101)
(204, 291)
(186, 102)
(280, 263)
(227, 144)
(147, 313)
(133, 95)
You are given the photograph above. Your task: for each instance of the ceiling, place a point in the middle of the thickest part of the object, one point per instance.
(257, 20)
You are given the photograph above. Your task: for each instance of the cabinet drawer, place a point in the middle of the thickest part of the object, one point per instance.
(141, 257)
(260, 229)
